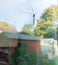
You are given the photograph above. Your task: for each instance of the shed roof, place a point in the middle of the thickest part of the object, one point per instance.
(20, 36)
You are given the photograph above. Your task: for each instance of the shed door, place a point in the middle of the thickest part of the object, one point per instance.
(4, 54)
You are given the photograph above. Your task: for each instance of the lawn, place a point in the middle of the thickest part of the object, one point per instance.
(54, 61)
(51, 62)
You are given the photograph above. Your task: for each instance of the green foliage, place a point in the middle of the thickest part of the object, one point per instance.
(21, 55)
(51, 62)
(50, 13)
(4, 24)
(38, 59)
(27, 29)
(44, 27)
(57, 34)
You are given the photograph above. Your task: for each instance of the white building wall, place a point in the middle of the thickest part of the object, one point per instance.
(49, 47)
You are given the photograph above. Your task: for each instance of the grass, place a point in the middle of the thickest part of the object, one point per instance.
(51, 62)
(54, 61)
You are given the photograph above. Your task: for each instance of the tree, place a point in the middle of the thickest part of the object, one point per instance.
(57, 35)
(50, 13)
(44, 27)
(21, 55)
(4, 24)
(27, 29)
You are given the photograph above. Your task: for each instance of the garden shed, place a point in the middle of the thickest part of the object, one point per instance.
(9, 42)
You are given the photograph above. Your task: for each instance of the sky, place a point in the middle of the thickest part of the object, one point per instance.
(19, 12)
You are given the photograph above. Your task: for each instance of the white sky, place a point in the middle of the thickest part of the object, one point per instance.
(11, 11)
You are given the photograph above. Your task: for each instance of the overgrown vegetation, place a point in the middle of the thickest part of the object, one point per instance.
(23, 56)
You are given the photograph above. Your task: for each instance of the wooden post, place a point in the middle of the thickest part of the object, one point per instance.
(9, 56)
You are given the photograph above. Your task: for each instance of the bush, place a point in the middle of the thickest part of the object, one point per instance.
(22, 56)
